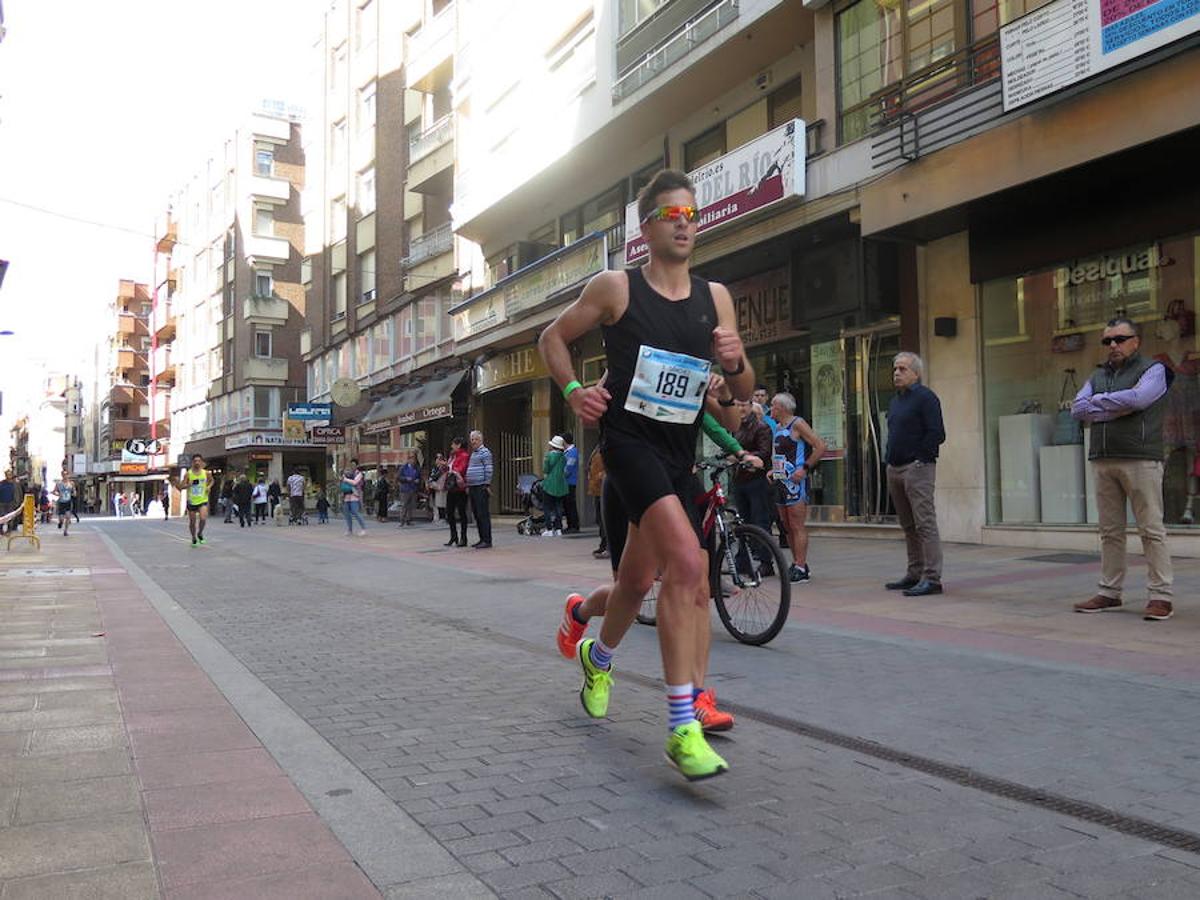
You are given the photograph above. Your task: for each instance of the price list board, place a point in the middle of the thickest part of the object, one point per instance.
(1067, 41)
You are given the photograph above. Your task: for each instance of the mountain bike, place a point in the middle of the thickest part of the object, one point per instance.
(747, 572)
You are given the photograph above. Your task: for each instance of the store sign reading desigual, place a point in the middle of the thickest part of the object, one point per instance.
(1111, 266)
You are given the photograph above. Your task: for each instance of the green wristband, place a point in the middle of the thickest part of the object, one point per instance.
(569, 387)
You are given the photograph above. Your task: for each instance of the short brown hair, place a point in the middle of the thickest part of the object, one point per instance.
(664, 180)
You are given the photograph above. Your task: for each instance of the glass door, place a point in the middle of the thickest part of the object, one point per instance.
(869, 356)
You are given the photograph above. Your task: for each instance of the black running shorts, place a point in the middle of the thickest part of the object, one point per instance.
(634, 480)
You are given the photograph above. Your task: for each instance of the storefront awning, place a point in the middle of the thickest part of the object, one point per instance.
(414, 405)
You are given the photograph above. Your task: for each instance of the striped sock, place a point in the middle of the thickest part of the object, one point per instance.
(679, 705)
(575, 615)
(601, 654)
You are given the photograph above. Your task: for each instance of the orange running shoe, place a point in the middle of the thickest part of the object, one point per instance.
(707, 714)
(570, 632)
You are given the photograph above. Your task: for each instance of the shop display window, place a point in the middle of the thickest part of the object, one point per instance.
(1041, 341)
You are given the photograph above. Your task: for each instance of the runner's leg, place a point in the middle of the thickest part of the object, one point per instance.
(798, 532)
(202, 513)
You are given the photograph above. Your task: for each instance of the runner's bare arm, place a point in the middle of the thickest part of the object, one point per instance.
(801, 429)
(718, 390)
(727, 345)
(600, 303)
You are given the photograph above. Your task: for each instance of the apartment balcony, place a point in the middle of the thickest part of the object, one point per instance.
(160, 409)
(270, 190)
(125, 359)
(431, 46)
(265, 310)
(129, 293)
(125, 429)
(129, 325)
(667, 37)
(433, 171)
(124, 395)
(436, 135)
(164, 322)
(164, 366)
(268, 249)
(266, 370)
(167, 237)
(431, 258)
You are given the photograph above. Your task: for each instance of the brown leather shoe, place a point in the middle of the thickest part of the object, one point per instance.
(1158, 610)
(1099, 603)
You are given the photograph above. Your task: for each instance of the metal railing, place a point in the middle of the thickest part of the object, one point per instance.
(675, 47)
(437, 134)
(430, 244)
(920, 91)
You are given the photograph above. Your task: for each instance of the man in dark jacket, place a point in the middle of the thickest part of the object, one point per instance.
(243, 492)
(1124, 403)
(915, 431)
(751, 493)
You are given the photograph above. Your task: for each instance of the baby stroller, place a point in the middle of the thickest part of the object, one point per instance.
(529, 489)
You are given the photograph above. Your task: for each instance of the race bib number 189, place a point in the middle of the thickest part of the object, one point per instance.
(668, 387)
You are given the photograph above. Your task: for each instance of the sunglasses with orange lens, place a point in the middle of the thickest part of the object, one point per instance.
(671, 213)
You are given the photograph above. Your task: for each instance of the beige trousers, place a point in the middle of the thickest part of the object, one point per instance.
(1139, 480)
(911, 487)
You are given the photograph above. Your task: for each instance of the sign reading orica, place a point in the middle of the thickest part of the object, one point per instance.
(767, 170)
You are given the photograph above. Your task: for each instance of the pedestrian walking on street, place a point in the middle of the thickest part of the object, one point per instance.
(1124, 403)
(226, 499)
(570, 504)
(456, 492)
(352, 498)
(436, 485)
(10, 498)
(382, 491)
(118, 501)
(795, 451)
(409, 477)
(479, 489)
(260, 499)
(243, 500)
(554, 486)
(322, 507)
(595, 490)
(274, 493)
(662, 327)
(166, 502)
(915, 431)
(296, 484)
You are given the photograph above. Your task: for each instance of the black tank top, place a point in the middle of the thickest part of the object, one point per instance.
(679, 326)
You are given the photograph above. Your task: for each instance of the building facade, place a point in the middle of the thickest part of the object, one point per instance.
(231, 304)
(382, 264)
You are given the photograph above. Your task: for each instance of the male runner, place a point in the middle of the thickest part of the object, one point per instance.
(579, 610)
(661, 326)
(196, 483)
(64, 489)
(790, 468)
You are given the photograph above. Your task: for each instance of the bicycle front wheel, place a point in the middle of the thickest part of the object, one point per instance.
(753, 595)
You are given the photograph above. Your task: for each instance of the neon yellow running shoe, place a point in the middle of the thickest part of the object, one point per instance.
(688, 751)
(596, 682)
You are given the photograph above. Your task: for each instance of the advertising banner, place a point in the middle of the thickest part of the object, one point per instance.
(310, 412)
(1067, 41)
(828, 400)
(767, 170)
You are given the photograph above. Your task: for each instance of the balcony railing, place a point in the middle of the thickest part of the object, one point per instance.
(918, 94)
(675, 47)
(437, 134)
(430, 244)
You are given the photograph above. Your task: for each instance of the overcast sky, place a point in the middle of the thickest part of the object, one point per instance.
(106, 107)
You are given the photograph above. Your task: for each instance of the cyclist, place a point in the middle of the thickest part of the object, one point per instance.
(579, 610)
(661, 326)
(196, 483)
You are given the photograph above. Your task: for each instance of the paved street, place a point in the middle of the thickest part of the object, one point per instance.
(289, 712)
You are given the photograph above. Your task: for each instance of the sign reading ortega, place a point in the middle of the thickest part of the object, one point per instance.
(756, 175)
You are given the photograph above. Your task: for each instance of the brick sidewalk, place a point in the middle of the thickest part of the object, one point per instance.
(123, 772)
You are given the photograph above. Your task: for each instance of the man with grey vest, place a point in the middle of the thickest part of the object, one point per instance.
(1124, 403)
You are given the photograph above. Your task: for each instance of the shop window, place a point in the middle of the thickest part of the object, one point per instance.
(704, 148)
(1041, 341)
